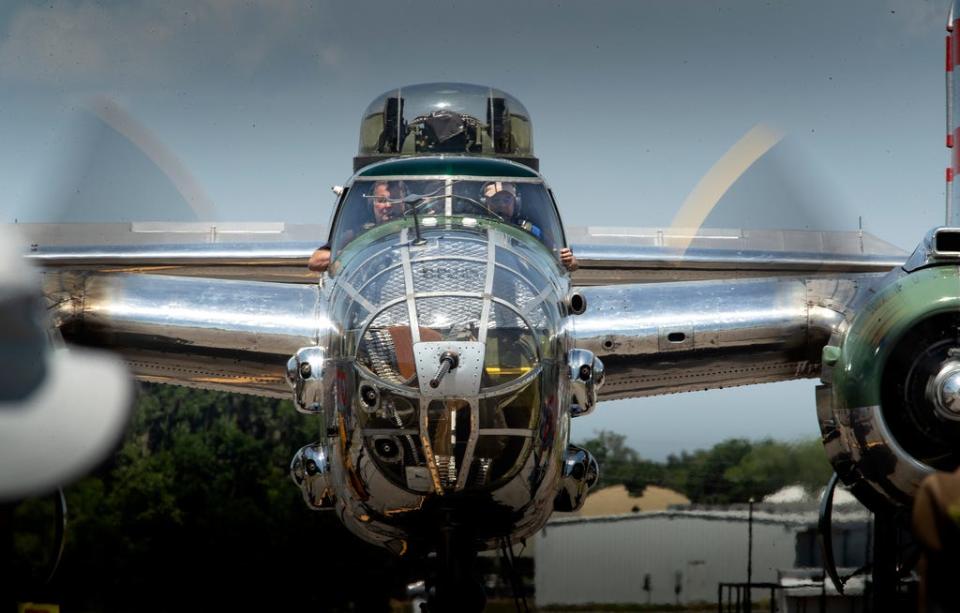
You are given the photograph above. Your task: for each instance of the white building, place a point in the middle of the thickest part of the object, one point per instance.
(681, 556)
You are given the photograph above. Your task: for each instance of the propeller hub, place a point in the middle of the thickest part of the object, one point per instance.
(945, 391)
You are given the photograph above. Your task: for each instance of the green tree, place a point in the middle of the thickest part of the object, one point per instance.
(701, 475)
(771, 465)
(196, 511)
(619, 464)
(732, 471)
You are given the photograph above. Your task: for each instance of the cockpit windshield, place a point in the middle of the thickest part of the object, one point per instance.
(523, 204)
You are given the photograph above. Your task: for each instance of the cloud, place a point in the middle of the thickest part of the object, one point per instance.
(124, 43)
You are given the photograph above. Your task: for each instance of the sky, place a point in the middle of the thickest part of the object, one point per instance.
(632, 101)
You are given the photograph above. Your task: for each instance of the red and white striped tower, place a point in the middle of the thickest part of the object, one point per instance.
(953, 129)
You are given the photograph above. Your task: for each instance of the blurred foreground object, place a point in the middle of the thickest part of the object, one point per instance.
(936, 525)
(61, 411)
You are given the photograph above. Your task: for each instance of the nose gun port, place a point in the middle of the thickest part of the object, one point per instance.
(448, 361)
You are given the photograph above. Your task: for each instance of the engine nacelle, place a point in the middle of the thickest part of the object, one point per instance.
(889, 409)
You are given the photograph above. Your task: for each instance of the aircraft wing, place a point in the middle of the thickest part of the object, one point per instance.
(661, 338)
(221, 334)
(610, 255)
(607, 256)
(246, 251)
(669, 311)
(214, 306)
(733, 308)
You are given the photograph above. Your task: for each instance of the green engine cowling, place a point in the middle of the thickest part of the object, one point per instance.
(889, 409)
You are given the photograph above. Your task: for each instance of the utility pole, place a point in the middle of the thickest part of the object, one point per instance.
(748, 601)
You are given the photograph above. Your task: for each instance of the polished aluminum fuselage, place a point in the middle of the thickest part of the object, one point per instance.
(485, 447)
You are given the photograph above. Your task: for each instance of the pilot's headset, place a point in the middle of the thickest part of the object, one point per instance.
(495, 187)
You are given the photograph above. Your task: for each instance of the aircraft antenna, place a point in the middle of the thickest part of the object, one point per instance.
(953, 131)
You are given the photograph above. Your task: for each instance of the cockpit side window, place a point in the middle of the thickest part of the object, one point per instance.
(525, 205)
(367, 205)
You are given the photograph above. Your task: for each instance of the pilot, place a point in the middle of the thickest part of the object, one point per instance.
(385, 202)
(501, 198)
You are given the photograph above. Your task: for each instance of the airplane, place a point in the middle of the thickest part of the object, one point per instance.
(446, 349)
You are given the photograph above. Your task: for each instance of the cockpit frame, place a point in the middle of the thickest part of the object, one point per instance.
(445, 167)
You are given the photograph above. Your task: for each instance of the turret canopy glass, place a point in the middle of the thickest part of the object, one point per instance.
(446, 118)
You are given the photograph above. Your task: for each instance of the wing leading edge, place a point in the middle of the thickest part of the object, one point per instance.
(610, 256)
(244, 251)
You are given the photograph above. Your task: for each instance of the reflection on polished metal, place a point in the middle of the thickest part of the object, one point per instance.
(599, 374)
(305, 374)
(443, 380)
(310, 471)
(586, 374)
(672, 337)
(208, 333)
(887, 409)
(878, 470)
(944, 391)
(576, 303)
(939, 246)
(580, 473)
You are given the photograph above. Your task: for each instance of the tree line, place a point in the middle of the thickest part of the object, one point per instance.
(196, 511)
(732, 471)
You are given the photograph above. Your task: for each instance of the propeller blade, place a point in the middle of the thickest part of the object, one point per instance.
(765, 181)
(114, 169)
(114, 116)
(718, 180)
